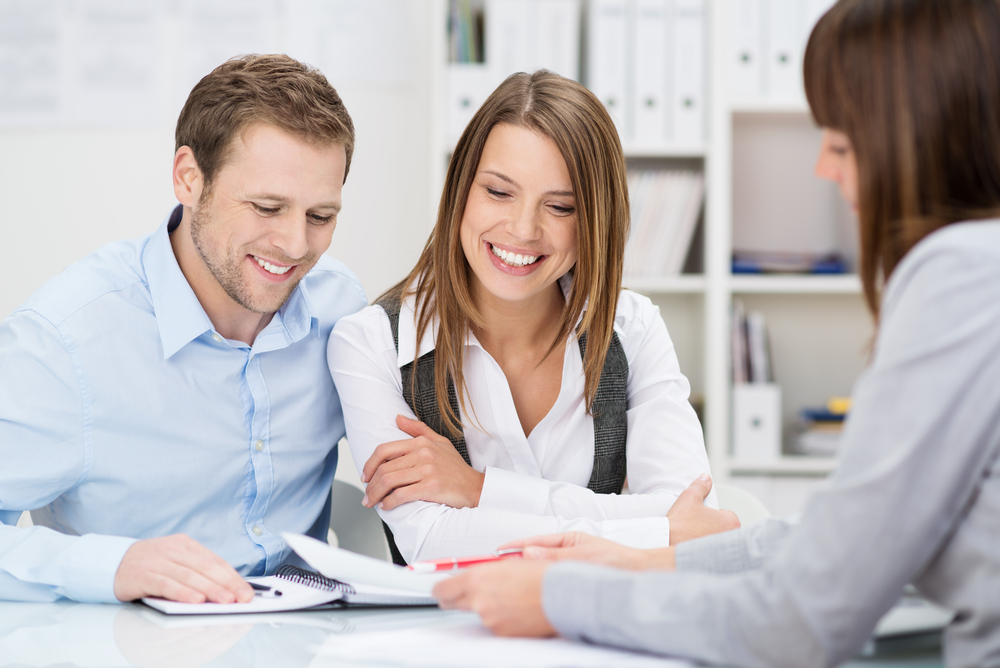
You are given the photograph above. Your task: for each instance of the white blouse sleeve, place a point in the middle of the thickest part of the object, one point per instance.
(364, 365)
(665, 450)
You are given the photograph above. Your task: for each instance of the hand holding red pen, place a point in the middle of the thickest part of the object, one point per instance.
(455, 563)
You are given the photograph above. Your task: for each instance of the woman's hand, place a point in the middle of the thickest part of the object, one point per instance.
(426, 467)
(691, 518)
(584, 547)
(507, 596)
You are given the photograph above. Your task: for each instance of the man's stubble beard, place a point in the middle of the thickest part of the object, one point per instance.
(228, 270)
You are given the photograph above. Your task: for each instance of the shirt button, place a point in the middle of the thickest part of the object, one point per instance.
(260, 445)
(218, 339)
(257, 530)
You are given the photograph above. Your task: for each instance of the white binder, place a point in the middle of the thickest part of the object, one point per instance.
(745, 60)
(557, 36)
(786, 40)
(689, 72)
(469, 84)
(607, 59)
(652, 50)
(509, 43)
(526, 35)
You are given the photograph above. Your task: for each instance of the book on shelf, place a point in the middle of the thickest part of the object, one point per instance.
(751, 348)
(465, 32)
(665, 205)
(821, 428)
(777, 262)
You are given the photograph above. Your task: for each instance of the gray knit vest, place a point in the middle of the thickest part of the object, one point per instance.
(608, 409)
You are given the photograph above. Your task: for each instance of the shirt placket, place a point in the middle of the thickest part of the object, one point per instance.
(260, 459)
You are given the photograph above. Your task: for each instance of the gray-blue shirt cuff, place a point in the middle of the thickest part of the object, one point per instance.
(734, 551)
(571, 599)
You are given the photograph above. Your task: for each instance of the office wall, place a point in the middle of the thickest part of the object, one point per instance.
(66, 190)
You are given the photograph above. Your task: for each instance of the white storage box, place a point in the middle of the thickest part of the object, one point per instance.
(756, 422)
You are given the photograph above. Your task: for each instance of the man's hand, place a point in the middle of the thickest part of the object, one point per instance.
(584, 547)
(507, 595)
(691, 518)
(178, 568)
(426, 467)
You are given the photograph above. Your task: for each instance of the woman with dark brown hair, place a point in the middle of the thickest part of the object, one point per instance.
(908, 94)
(538, 382)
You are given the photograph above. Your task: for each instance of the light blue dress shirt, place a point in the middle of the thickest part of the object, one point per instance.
(124, 415)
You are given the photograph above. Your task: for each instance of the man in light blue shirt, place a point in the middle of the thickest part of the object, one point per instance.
(165, 404)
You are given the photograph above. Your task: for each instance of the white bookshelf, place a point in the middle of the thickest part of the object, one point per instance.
(797, 465)
(844, 284)
(684, 284)
(758, 157)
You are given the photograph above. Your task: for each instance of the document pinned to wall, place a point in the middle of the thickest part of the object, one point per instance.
(368, 42)
(81, 62)
(31, 70)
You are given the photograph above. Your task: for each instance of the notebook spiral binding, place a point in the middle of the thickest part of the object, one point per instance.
(311, 579)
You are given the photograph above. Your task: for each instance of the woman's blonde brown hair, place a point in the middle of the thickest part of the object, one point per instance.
(577, 122)
(915, 86)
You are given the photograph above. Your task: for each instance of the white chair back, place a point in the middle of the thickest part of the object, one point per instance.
(748, 508)
(357, 528)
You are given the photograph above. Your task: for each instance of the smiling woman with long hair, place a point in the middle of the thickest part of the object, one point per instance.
(908, 94)
(539, 383)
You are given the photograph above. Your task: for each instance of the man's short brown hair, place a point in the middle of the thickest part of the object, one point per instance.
(273, 89)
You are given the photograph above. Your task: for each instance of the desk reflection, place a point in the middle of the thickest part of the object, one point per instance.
(89, 635)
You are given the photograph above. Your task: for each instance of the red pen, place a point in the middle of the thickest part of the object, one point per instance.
(454, 563)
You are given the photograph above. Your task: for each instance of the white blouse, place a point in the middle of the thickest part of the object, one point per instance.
(534, 484)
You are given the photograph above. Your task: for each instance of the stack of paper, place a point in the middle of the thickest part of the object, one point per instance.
(665, 206)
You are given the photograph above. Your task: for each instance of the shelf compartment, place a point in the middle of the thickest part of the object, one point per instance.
(681, 284)
(634, 150)
(841, 284)
(795, 106)
(785, 465)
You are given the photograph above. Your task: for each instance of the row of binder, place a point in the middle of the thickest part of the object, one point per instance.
(646, 62)
(518, 36)
(665, 205)
(768, 38)
(644, 59)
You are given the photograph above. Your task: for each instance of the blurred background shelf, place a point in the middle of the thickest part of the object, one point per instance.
(786, 465)
(843, 284)
(683, 284)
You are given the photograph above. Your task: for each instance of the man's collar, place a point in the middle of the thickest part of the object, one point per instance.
(179, 315)
(181, 318)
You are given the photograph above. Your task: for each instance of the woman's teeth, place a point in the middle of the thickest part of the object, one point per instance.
(270, 267)
(513, 259)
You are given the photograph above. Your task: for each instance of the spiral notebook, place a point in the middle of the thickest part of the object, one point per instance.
(341, 578)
